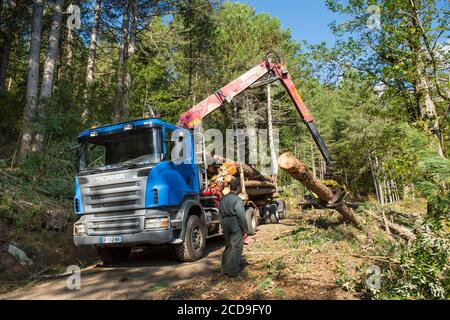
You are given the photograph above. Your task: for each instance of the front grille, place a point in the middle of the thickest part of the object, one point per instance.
(124, 196)
(113, 214)
(115, 226)
(114, 186)
(113, 204)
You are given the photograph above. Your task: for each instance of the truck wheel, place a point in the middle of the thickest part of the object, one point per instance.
(193, 246)
(111, 255)
(266, 214)
(273, 211)
(251, 216)
(281, 209)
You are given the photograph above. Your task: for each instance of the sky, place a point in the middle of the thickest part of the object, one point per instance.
(307, 19)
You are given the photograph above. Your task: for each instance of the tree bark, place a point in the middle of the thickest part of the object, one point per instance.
(69, 55)
(121, 108)
(300, 172)
(422, 88)
(273, 152)
(26, 139)
(91, 56)
(375, 179)
(49, 68)
(313, 161)
(131, 49)
(251, 184)
(52, 52)
(9, 36)
(256, 192)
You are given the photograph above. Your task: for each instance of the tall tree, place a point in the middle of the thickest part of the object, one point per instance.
(31, 108)
(52, 52)
(196, 28)
(6, 42)
(92, 54)
(399, 44)
(121, 109)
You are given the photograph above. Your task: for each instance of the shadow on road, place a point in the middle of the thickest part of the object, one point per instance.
(139, 278)
(162, 255)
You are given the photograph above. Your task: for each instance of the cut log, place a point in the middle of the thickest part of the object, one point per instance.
(398, 229)
(300, 172)
(260, 192)
(259, 184)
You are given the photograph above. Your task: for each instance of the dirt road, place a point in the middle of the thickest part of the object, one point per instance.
(275, 271)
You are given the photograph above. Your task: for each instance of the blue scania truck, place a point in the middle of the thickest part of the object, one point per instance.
(130, 192)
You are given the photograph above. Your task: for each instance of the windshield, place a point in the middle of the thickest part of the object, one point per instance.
(132, 148)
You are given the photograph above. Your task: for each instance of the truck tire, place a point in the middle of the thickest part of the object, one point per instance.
(251, 216)
(266, 215)
(281, 209)
(110, 255)
(194, 242)
(273, 211)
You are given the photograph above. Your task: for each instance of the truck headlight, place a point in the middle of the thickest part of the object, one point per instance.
(157, 223)
(79, 229)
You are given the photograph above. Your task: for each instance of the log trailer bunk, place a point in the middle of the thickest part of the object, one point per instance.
(129, 193)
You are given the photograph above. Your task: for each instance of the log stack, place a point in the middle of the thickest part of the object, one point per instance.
(223, 170)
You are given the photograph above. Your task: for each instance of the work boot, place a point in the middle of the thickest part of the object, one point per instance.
(244, 263)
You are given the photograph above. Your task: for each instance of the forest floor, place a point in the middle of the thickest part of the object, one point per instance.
(309, 255)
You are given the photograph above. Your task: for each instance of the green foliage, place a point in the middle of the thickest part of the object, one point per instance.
(52, 170)
(423, 272)
(416, 159)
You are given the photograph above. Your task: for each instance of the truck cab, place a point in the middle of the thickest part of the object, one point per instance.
(130, 192)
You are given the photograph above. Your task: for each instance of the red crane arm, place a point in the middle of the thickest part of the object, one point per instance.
(193, 117)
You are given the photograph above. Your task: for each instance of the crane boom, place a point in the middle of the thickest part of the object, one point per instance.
(275, 71)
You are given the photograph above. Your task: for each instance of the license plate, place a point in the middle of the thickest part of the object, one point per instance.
(110, 239)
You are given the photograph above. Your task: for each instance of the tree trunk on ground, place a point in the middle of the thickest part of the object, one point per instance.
(9, 36)
(121, 108)
(299, 171)
(400, 230)
(26, 140)
(91, 56)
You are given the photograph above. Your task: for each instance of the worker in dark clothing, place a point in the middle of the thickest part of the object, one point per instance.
(232, 213)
